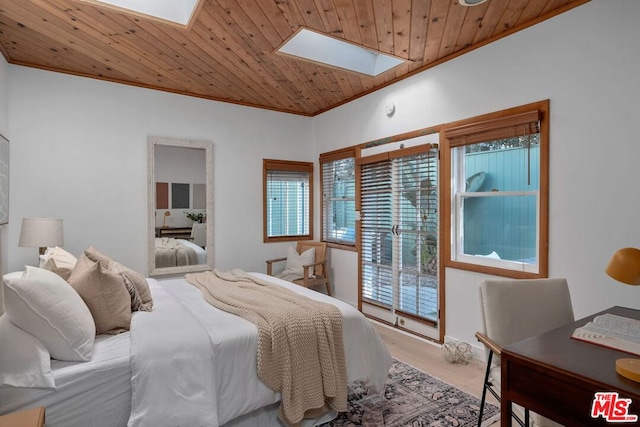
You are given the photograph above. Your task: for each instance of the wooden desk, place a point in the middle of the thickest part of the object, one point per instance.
(175, 232)
(557, 376)
(29, 418)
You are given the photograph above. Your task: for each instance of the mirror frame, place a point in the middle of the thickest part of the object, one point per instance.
(152, 142)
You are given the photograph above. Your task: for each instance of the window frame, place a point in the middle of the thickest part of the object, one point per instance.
(286, 166)
(329, 157)
(479, 129)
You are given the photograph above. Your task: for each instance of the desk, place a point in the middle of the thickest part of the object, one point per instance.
(175, 232)
(557, 376)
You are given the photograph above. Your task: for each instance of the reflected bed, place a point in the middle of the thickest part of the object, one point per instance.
(171, 252)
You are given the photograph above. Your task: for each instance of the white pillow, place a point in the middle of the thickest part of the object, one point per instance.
(59, 261)
(296, 261)
(24, 361)
(44, 305)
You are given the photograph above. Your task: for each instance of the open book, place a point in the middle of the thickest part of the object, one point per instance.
(612, 331)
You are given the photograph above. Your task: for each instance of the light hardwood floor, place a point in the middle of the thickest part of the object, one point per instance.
(427, 357)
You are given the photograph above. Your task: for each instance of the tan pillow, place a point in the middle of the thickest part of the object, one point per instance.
(136, 301)
(140, 283)
(105, 294)
(58, 261)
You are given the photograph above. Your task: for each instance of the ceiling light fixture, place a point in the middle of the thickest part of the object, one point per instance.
(471, 2)
(320, 48)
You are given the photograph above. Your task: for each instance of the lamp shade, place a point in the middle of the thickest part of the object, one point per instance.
(41, 232)
(625, 266)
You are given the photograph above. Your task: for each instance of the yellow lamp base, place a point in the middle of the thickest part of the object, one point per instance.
(629, 368)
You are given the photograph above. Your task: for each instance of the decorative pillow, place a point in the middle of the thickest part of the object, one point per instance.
(296, 261)
(41, 303)
(140, 283)
(59, 261)
(136, 301)
(104, 293)
(24, 361)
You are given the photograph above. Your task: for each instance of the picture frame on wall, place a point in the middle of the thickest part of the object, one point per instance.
(4, 180)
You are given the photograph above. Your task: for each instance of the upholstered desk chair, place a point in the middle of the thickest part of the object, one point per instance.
(199, 234)
(514, 310)
(313, 274)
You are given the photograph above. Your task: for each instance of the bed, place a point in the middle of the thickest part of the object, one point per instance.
(170, 252)
(185, 363)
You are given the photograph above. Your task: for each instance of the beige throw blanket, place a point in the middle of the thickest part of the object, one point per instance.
(300, 347)
(172, 253)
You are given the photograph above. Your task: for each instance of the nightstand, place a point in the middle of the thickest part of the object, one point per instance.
(29, 418)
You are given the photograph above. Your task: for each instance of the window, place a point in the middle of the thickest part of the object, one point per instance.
(499, 192)
(338, 187)
(288, 200)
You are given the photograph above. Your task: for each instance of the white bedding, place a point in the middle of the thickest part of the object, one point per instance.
(95, 393)
(190, 364)
(202, 253)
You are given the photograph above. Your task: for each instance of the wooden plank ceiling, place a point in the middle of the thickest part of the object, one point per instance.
(227, 51)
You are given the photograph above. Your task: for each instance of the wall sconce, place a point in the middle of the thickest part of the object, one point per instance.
(41, 233)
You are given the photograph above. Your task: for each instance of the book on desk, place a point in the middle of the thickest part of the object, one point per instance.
(610, 330)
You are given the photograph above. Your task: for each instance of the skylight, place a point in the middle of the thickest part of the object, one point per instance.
(174, 11)
(316, 47)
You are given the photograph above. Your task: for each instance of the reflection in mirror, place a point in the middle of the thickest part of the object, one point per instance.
(180, 205)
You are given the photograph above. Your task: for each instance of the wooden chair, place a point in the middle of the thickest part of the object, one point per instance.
(320, 274)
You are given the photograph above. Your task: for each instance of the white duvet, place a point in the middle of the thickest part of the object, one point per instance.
(195, 365)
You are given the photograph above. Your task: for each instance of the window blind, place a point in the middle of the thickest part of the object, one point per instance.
(415, 184)
(376, 222)
(338, 200)
(288, 195)
(494, 129)
(399, 231)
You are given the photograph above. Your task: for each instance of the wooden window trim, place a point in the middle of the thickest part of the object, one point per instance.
(332, 156)
(477, 126)
(292, 166)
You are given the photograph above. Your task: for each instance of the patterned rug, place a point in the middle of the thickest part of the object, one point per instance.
(413, 398)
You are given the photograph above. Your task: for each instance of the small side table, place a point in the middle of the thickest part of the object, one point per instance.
(29, 418)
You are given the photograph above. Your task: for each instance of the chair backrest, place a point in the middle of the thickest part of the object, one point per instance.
(321, 251)
(199, 234)
(517, 309)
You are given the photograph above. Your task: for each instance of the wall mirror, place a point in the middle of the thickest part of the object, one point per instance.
(180, 206)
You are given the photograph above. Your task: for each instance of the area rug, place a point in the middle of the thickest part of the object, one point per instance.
(413, 398)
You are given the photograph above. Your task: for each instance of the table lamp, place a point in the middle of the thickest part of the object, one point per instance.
(164, 220)
(41, 233)
(625, 267)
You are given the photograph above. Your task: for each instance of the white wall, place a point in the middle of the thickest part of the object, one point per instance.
(586, 62)
(4, 130)
(79, 153)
